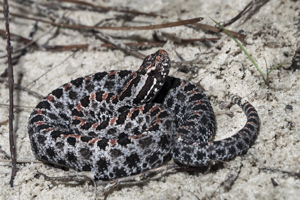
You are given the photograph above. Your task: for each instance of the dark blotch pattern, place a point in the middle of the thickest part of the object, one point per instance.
(71, 141)
(77, 82)
(50, 152)
(120, 172)
(85, 101)
(41, 139)
(44, 105)
(71, 157)
(72, 95)
(86, 168)
(77, 113)
(37, 118)
(134, 114)
(55, 134)
(115, 153)
(103, 125)
(102, 143)
(123, 139)
(86, 126)
(132, 160)
(99, 76)
(57, 93)
(85, 138)
(85, 153)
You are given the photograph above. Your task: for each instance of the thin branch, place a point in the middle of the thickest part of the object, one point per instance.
(110, 8)
(11, 95)
(128, 28)
(19, 161)
(50, 70)
(249, 7)
(28, 42)
(15, 106)
(17, 86)
(74, 47)
(119, 45)
(3, 122)
(6, 155)
(216, 30)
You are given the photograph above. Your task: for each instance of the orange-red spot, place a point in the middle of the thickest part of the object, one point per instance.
(40, 123)
(49, 98)
(161, 51)
(93, 141)
(104, 96)
(138, 108)
(66, 86)
(81, 120)
(112, 98)
(112, 73)
(135, 136)
(154, 108)
(95, 125)
(158, 58)
(157, 120)
(113, 120)
(196, 113)
(134, 75)
(78, 107)
(113, 142)
(72, 135)
(93, 96)
(197, 102)
(193, 92)
(87, 78)
(39, 112)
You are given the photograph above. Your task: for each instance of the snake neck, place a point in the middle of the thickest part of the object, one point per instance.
(144, 85)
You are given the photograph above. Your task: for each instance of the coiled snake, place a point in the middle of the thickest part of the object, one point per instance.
(120, 123)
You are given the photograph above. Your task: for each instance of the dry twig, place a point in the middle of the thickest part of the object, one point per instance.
(251, 6)
(11, 96)
(109, 8)
(128, 28)
(237, 35)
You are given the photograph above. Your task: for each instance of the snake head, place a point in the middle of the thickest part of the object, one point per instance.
(152, 76)
(156, 65)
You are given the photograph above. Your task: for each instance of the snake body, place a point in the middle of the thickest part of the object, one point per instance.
(120, 123)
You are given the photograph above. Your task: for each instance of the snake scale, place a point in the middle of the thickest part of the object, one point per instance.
(120, 123)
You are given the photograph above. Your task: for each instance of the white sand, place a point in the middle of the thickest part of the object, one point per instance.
(273, 36)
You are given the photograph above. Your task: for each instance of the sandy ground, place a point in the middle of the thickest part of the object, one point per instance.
(272, 36)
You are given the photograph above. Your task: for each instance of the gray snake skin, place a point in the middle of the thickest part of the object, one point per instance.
(120, 123)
